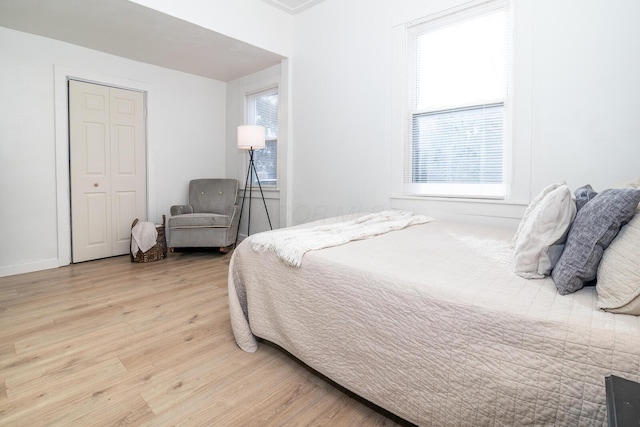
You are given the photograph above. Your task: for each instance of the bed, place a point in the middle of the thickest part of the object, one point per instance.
(430, 323)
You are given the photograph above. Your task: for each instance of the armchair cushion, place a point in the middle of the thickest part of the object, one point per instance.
(194, 220)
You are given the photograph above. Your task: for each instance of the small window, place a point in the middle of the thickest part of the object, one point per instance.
(456, 137)
(262, 109)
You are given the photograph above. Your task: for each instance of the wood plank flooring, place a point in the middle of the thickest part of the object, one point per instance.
(110, 343)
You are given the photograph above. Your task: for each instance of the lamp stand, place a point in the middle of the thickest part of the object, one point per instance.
(249, 181)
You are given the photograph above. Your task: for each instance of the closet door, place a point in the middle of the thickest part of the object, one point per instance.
(128, 166)
(107, 168)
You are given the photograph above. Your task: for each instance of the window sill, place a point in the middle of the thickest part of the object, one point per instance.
(269, 192)
(460, 199)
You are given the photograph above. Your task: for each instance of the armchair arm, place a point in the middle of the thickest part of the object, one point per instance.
(233, 212)
(181, 209)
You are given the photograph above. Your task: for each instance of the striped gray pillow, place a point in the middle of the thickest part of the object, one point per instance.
(595, 226)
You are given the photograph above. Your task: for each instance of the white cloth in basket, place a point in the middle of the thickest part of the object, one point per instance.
(143, 237)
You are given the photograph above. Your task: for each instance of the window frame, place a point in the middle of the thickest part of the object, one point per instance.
(250, 118)
(412, 31)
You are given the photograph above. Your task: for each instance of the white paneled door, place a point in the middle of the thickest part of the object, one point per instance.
(108, 168)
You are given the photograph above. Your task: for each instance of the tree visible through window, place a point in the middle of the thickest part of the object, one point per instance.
(458, 77)
(262, 109)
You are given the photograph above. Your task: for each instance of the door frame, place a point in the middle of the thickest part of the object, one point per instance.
(63, 193)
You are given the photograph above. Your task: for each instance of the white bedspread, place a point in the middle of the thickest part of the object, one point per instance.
(431, 323)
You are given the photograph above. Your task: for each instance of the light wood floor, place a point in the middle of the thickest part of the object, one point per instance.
(111, 342)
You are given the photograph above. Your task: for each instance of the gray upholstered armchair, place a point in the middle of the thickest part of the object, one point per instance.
(211, 217)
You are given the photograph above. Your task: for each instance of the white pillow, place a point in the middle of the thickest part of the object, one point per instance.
(618, 283)
(539, 240)
(534, 203)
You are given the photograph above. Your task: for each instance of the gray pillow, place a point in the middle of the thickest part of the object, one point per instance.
(583, 195)
(595, 226)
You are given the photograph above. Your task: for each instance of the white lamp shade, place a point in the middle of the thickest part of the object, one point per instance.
(251, 137)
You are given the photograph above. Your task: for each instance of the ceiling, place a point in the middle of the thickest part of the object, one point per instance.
(132, 31)
(293, 6)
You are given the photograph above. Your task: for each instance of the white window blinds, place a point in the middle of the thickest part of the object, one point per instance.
(457, 112)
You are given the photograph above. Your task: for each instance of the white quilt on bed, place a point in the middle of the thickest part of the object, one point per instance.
(431, 323)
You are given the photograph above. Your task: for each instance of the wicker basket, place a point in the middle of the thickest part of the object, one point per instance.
(158, 251)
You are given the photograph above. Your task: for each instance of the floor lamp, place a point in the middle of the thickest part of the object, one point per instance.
(251, 138)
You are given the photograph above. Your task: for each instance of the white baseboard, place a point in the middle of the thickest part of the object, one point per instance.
(12, 270)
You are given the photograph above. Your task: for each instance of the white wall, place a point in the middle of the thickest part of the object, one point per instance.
(341, 108)
(586, 105)
(577, 103)
(186, 119)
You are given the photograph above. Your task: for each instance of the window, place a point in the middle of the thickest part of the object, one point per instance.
(262, 109)
(456, 142)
